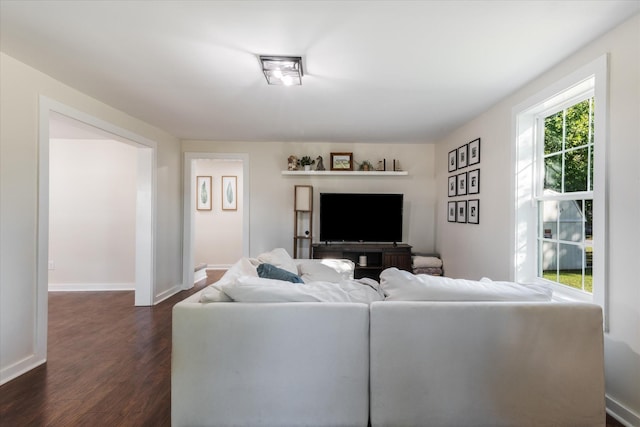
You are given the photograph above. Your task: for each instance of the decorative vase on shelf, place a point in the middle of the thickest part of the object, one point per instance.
(306, 162)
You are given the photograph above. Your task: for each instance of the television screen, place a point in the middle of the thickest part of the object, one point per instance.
(360, 217)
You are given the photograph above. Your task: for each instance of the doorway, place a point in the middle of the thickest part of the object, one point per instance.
(144, 198)
(209, 230)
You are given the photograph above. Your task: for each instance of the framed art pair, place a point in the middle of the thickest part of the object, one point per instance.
(204, 194)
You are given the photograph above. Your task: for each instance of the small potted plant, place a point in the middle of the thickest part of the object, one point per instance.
(306, 162)
(365, 166)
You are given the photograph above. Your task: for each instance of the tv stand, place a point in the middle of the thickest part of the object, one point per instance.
(379, 256)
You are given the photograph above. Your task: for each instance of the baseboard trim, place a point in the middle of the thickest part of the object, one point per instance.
(84, 287)
(218, 266)
(199, 275)
(167, 294)
(19, 368)
(621, 413)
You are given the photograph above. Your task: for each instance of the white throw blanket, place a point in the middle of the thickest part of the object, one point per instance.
(426, 262)
(242, 284)
(256, 289)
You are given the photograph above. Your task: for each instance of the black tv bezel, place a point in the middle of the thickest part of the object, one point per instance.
(368, 239)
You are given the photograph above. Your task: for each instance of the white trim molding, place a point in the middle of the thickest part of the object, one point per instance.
(189, 209)
(91, 287)
(524, 130)
(167, 294)
(145, 198)
(621, 413)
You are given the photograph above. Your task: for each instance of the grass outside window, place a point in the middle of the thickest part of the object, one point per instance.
(572, 278)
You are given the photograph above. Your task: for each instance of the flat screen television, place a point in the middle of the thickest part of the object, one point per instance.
(361, 217)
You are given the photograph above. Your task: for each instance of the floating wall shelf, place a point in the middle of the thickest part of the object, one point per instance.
(352, 173)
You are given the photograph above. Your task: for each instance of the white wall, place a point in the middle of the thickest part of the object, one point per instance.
(92, 214)
(473, 251)
(20, 88)
(218, 233)
(272, 193)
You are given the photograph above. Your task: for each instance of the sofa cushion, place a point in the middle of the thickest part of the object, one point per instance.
(269, 271)
(400, 285)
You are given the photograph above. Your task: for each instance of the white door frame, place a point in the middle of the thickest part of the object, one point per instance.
(145, 207)
(189, 205)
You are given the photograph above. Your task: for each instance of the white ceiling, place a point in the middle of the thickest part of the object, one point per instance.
(375, 71)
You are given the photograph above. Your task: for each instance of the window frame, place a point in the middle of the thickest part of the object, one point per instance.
(539, 187)
(526, 173)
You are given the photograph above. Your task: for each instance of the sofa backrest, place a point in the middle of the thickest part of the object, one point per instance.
(486, 363)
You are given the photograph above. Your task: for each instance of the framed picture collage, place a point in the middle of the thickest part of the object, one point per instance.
(464, 181)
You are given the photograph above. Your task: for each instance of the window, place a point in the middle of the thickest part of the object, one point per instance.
(564, 194)
(560, 183)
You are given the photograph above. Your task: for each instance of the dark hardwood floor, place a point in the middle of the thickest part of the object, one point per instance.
(109, 364)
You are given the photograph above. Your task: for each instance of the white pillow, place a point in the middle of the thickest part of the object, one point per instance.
(326, 270)
(400, 285)
(213, 293)
(280, 258)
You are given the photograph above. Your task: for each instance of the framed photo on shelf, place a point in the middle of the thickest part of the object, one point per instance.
(462, 184)
(203, 193)
(461, 211)
(473, 211)
(341, 161)
(452, 186)
(229, 193)
(474, 152)
(462, 156)
(451, 211)
(473, 181)
(453, 160)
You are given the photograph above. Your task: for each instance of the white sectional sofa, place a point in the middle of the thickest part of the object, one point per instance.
(381, 362)
(270, 364)
(486, 364)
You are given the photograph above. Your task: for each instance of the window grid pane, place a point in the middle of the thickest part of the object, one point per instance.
(568, 149)
(565, 242)
(565, 231)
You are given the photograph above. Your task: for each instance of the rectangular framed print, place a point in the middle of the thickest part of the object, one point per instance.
(452, 186)
(453, 160)
(462, 184)
(341, 161)
(451, 211)
(462, 156)
(474, 152)
(461, 211)
(203, 193)
(473, 211)
(229, 193)
(473, 181)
